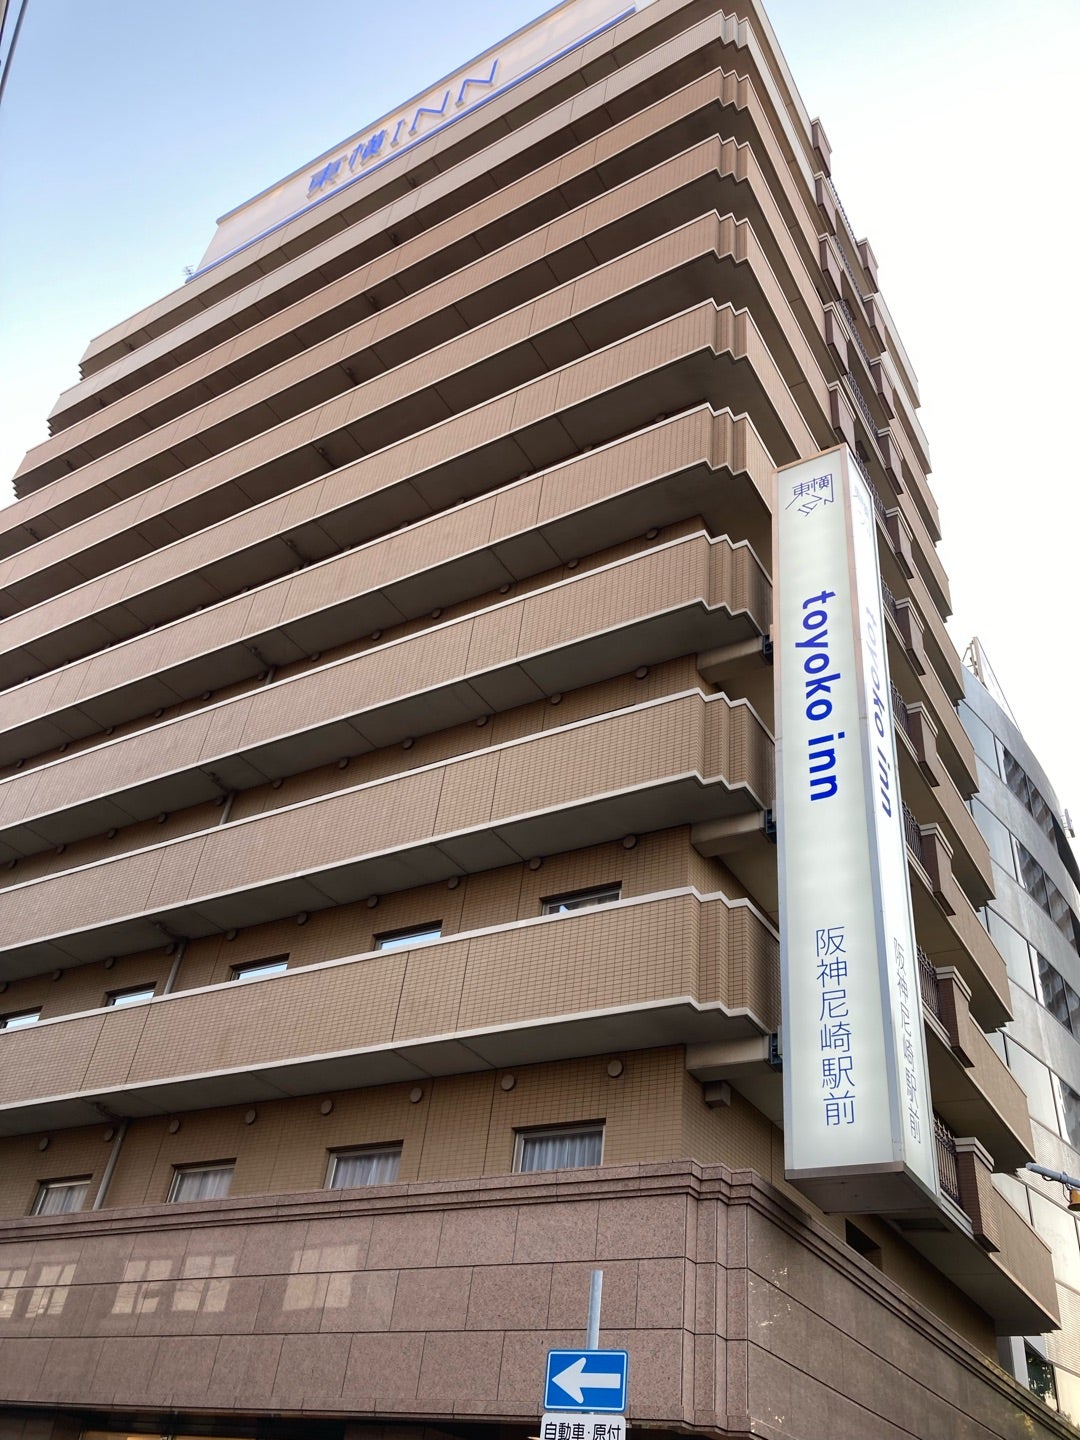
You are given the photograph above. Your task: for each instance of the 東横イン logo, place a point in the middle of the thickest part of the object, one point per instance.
(380, 144)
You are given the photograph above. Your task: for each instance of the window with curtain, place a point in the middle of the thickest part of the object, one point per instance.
(371, 1165)
(61, 1197)
(201, 1182)
(565, 1148)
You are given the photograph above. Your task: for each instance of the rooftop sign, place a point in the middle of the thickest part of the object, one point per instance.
(505, 65)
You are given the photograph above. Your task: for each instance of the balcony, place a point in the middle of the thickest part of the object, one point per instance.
(699, 463)
(268, 541)
(930, 788)
(949, 930)
(485, 260)
(501, 370)
(977, 1240)
(909, 667)
(710, 352)
(536, 990)
(264, 364)
(974, 1091)
(684, 113)
(589, 627)
(676, 761)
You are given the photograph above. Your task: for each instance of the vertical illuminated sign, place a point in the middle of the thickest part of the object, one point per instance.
(858, 1127)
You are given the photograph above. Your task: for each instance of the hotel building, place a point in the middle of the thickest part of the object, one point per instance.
(390, 925)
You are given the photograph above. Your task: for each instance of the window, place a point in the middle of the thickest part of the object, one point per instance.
(1035, 1078)
(981, 737)
(1042, 889)
(415, 935)
(201, 1182)
(61, 1197)
(1041, 1376)
(1028, 794)
(1058, 995)
(1014, 948)
(567, 1147)
(134, 996)
(860, 1241)
(370, 1165)
(257, 969)
(19, 1019)
(1070, 1112)
(997, 837)
(580, 899)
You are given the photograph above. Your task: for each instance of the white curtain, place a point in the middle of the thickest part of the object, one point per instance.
(365, 1167)
(62, 1199)
(565, 1150)
(203, 1184)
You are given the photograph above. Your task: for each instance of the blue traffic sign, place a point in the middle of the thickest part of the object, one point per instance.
(592, 1380)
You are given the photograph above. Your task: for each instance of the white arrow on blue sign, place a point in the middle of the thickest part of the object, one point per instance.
(593, 1380)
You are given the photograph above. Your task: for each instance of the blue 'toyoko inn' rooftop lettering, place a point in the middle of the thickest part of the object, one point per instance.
(373, 145)
(380, 146)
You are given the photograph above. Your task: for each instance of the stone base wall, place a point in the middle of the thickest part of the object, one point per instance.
(436, 1302)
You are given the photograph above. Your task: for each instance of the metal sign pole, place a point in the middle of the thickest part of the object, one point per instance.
(592, 1331)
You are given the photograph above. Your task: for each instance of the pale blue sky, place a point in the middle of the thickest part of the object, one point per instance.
(128, 126)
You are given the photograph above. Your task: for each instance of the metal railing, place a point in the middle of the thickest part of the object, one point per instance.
(851, 236)
(860, 401)
(912, 834)
(945, 1149)
(864, 471)
(928, 982)
(890, 601)
(849, 316)
(843, 213)
(899, 710)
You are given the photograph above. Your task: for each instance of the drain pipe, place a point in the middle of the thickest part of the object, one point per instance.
(181, 946)
(110, 1164)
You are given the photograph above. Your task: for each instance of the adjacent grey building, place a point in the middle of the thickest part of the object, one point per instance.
(1033, 919)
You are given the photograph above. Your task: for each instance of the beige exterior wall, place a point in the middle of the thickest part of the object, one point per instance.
(412, 567)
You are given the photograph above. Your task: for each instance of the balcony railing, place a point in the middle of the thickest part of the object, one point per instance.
(912, 834)
(928, 982)
(860, 400)
(864, 471)
(851, 236)
(840, 206)
(899, 710)
(890, 601)
(849, 316)
(945, 1148)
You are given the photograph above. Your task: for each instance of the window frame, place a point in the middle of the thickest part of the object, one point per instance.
(130, 995)
(589, 898)
(20, 1019)
(349, 1152)
(1040, 1369)
(410, 935)
(525, 1133)
(249, 970)
(199, 1168)
(47, 1187)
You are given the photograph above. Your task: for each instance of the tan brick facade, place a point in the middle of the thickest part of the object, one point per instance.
(410, 570)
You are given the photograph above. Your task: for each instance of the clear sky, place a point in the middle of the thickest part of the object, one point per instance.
(128, 126)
